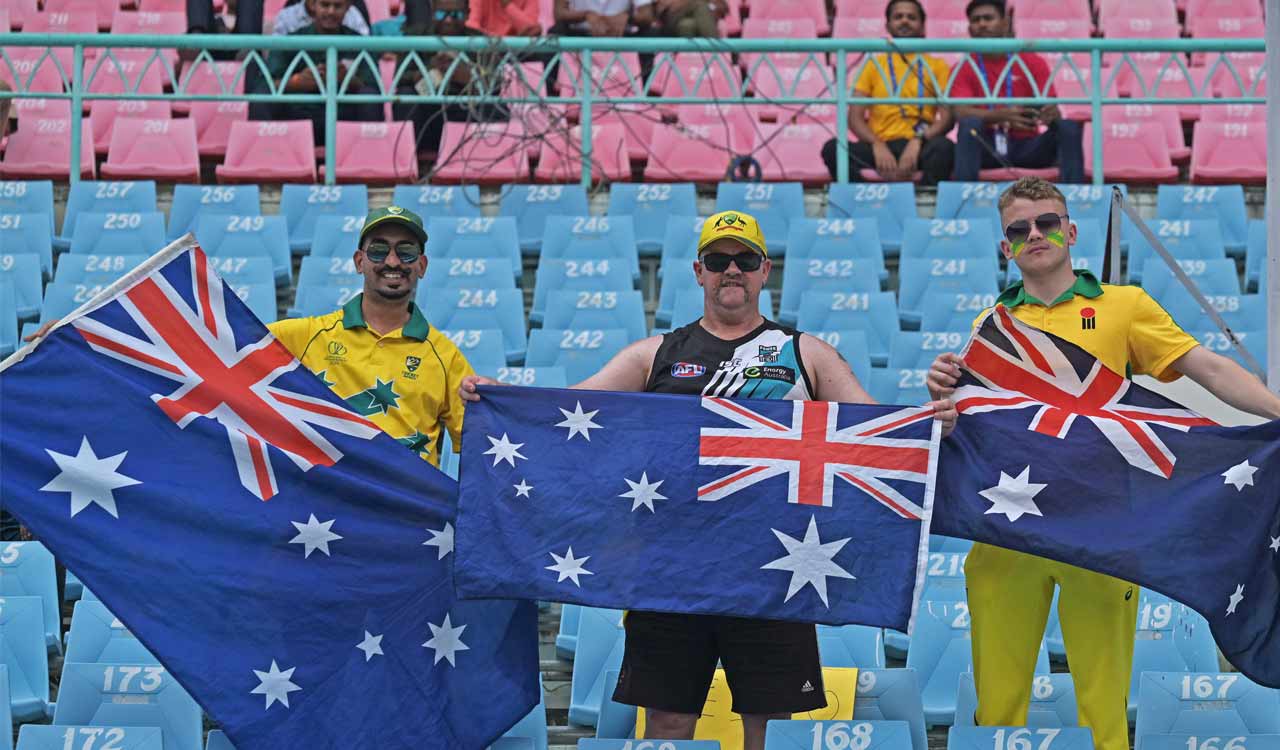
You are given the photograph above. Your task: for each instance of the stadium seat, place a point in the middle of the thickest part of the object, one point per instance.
(582, 309)
(591, 238)
(211, 77)
(1229, 152)
(796, 733)
(948, 238)
(1170, 638)
(301, 205)
(690, 74)
(231, 235)
(815, 10)
(336, 236)
(38, 150)
(826, 275)
(45, 737)
(336, 271)
(377, 153)
(23, 652)
(797, 81)
(1204, 704)
(1078, 82)
(103, 114)
(1234, 113)
(923, 278)
(875, 313)
(6, 717)
(214, 122)
(1131, 152)
(239, 271)
(1211, 277)
(953, 312)
(889, 203)
(579, 275)
(675, 285)
(984, 738)
(482, 308)
(98, 637)
(1222, 202)
(649, 207)
(218, 741)
(1225, 8)
(542, 376)
(1185, 239)
(823, 239)
(968, 200)
(1243, 312)
(851, 646)
(27, 569)
(562, 154)
(617, 721)
(1254, 258)
(1155, 11)
(157, 148)
(34, 71)
(105, 197)
(600, 642)
(60, 299)
(567, 635)
(259, 298)
(757, 27)
(530, 205)
(430, 201)
(852, 345)
(190, 202)
(478, 237)
(142, 695)
(138, 22)
(118, 233)
(275, 151)
(613, 74)
(775, 206)
(95, 269)
(310, 301)
(944, 573)
(484, 348)
(680, 244)
(28, 197)
(1255, 342)
(125, 71)
(1167, 82)
(892, 695)
(482, 152)
(1053, 702)
(1245, 76)
(22, 272)
(581, 352)
(785, 152)
(688, 153)
(531, 730)
(452, 273)
(907, 388)
(1165, 118)
(19, 11)
(28, 234)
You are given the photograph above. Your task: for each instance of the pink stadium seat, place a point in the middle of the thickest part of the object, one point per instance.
(213, 124)
(153, 150)
(687, 154)
(1009, 175)
(614, 73)
(695, 74)
(1165, 82)
(946, 28)
(1132, 27)
(859, 9)
(103, 114)
(279, 151)
(547, 13)
(1073, 83)
(125, 71)
(1164, 118)
(379, 10)
(206, 77)
(94, 15)
(39, 150)
(1253, 75)
(813, 10)
(36, 69)
(1229, 152)
(383, 153)
(777, 28)
(170, 6)
(637, 122)
(1234, 113)
(19, 11)
(146, 22)
(562, 155)
(859, 27)
(1131, 152)
(1197, 9)
(83, 21)
(1156, 11)
(789, 82)
(4, 20)
(942, 9)
(789, 153)
(481, 152)
(1052, 28)
(1051, 10)
(1224, 26)
(48, 109)
(727, 124)
(1231, 29)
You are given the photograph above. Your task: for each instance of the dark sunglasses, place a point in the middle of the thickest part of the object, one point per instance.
(456, 15)
(719, 262)
(1020, 230)
(407, 252)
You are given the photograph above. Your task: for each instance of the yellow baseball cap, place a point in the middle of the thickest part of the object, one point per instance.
(734, 225)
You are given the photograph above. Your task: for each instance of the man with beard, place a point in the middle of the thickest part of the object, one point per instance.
(772, 666)
(378, 351)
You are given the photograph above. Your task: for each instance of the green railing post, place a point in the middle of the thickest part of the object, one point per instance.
(330, 115)
(77, 109)
(1095, 94)
(842, 116)
(584, 118)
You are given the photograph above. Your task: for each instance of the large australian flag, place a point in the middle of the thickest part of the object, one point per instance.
(1056, 455)
(796, 510)
(288, 563)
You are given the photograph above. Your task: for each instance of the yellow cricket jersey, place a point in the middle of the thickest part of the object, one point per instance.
(880, 77)
(1122, 326)
(405, 381)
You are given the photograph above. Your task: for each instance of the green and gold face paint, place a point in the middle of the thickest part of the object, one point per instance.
(1049, 226)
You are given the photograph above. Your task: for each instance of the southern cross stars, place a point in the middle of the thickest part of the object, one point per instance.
(314, 535)
(89, 479)
(579, 422)
(1235, 600)
(504, 450)
(1014, 496)
(1240, 475)
(522, 489)
(643, 493)
(809, 561)
(371, 645)
(446, 641)
(442, 540)
(1275, 544)
(569, 567)
(275, 684)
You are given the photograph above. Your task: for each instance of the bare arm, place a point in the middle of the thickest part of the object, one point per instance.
(1228, 381)
(627, 371)
(942, 122)
(858, 122)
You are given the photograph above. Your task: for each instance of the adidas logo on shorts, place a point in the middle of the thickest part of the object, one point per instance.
(807, 687)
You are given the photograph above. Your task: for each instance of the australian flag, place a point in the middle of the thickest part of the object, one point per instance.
(288, 564)
(1056, 455)
(794, 510)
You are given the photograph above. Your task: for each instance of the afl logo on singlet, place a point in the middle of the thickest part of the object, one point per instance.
(687, 370)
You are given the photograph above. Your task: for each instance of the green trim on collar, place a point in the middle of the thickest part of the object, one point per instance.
(1086, 286)
(353, 314)
(417, 327)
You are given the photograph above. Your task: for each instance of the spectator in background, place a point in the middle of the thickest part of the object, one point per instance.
(505, 18)
(602, 17)
(993, 136)
(690, 18)
(295, 15)
(898, 139)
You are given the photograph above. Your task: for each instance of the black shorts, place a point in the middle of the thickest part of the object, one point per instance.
(670, 659)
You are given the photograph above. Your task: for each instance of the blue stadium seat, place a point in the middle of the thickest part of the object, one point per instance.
(892, 695)
(533, 727)
(616, 720)
(1053, 639)
(1203, 703)
(27, 569)
(1053, 701)
(920, 279)
(917, 349)
(837, 239)
(1008, 738)
(218, 741)
(512, 743)
(1094, 202)
(1170, 638)
(544, 376)
(567, 635)
(246, 237)
(315, 271)
(106, 197)
(891, 204)
(1217, 341)
(649, 206)
(95, 269)
(600, 643)
(60, 299)
(940, 543)
(23, 651)
(580, 352)
(592, 743)
(1211, 277)
(851, 646)
(774, 204)
(118, 233)
(27, 233)
(451, 273)
(1222, 202)
(72, 589)
(484, 348)
(802, 275)
(486, 237)
(948, 238)
(6, 717)
(430, 201)
(240, 271)
(190, 202)
(22, 271)
(691, 303)
(673, 286)
(28, 197)
(337, 236)
(852, 345)
(876, 314)
(141, 695)
(570, 308)
(530, 205)
(310, 301)
(1241, 742)
(1185, 239)
(954, 312)
(898, 386)
(866, 735)
(45, 737)
(591, 238)
(1243, 312)
(680, 244)
(944, 570)
(603, 275)
(1255, 253)
(969, 200)
(261, 299)
(301, 205)
(97, 637)
(482, 308)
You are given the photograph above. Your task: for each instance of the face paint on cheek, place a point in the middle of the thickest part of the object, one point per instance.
(1016, 247)
(1057, 239)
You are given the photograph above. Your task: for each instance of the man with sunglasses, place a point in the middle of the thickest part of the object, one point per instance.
(378, 352)
(1009, 593)
(772, 666)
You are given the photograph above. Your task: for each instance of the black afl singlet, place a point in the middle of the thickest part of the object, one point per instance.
(763, 364)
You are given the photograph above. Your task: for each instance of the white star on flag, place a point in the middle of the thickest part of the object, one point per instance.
(504, 450)
(314, 535)
(569, 567)
(809, 561)
(1235, 600)
(522, 489)
(446, 640)
(643, 493)
(442, 540)
(275, 684)
(1275, 544)
(371, 645)
(579, 422)
(89, 479)
(1014, 496)
(1240, 475)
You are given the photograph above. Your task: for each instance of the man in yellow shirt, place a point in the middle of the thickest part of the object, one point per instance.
(896, 140)
(378, 351)
(1010, 592)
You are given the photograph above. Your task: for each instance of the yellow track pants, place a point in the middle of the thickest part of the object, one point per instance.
(1009, 598)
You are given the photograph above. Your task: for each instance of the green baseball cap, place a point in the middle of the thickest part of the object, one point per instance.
(395, 215)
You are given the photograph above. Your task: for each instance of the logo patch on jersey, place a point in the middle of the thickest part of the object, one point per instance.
(770, 372)
(411, 363)
(1088, 319)
(768, 354)
(687, 370)
(337, 352)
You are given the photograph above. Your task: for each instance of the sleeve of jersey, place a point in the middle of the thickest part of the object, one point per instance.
(1155, 341)
(294, 333)
(459, 368)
